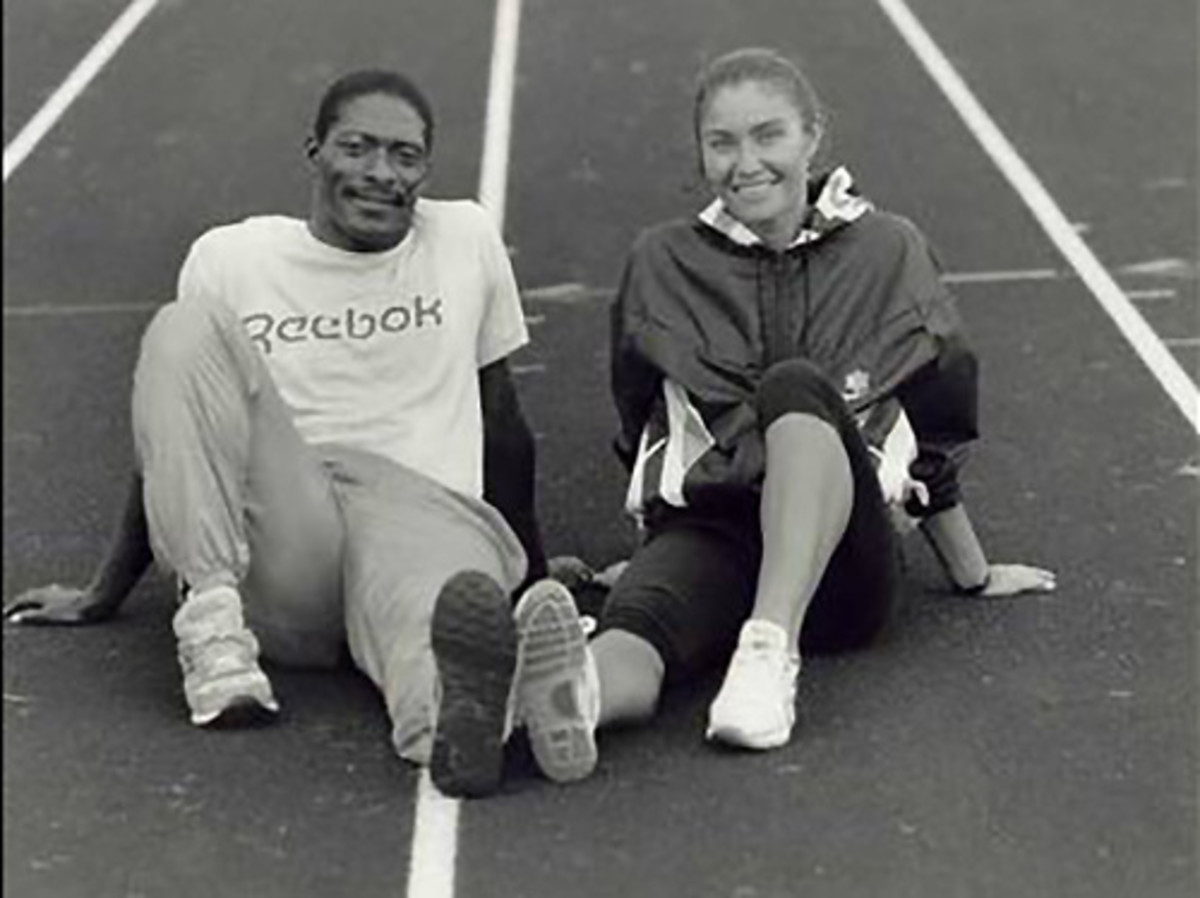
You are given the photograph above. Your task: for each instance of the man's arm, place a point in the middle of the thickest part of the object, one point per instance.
(126, 559)
(509, 462)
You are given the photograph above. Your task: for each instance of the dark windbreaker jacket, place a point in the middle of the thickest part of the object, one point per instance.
(703, 310)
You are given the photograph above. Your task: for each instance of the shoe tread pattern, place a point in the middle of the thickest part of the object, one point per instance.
(474, 646)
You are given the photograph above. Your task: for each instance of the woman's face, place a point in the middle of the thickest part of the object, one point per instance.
(755, 150)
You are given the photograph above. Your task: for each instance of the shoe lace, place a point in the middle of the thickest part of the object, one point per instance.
(764, 661)
(219, 652)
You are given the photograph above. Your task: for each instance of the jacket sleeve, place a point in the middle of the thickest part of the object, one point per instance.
(635, 382)
(941, 401)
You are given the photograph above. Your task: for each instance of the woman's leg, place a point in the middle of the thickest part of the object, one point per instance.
(807, 495)
(674, 613)
(827, 554)
(630, 672)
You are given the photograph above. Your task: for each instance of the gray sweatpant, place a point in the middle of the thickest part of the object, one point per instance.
(326, 544)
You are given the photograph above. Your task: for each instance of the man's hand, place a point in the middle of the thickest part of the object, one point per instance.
(573, 573)
(58, 605)
(126, 559)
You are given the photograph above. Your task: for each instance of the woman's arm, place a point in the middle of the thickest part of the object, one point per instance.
(634, 382)
(953, 539)
(941, 401)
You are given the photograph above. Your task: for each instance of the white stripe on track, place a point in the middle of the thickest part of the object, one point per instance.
(129, 308)
(435, 843)
(493, 177)
(73, 311)
(999, 277)
(1151, 293)
(1165, 368)
(558, 294)
(68, 92)
(435, 836)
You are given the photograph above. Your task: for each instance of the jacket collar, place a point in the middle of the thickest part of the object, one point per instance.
(836, 204)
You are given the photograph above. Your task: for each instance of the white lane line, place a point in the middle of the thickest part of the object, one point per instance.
(435, 838)
(572, 293)
(1000, 277)
(1177, 269)
(75, 84)
(1152, 293)
(128, 308)
(1165, 368)
(435, 843)
(1183, 341)
(493, 176)
(556, 292)
(49, 311)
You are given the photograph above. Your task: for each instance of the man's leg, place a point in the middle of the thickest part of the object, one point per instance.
(819, 498)
(234, 501)
(556, 686)
(671, 616)
(412, 547)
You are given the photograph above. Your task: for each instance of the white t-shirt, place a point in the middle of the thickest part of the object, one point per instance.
(378, 351)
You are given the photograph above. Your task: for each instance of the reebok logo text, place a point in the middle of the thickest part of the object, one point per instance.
(268, 331)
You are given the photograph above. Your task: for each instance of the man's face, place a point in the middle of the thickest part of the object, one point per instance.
(368, 172)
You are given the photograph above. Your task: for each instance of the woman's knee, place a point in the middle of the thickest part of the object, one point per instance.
(798, 387)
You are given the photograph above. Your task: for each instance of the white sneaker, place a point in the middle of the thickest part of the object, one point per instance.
(557, 686)
(756, 707)
(219, 658)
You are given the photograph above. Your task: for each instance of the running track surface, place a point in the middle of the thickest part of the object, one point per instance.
(1041, 747)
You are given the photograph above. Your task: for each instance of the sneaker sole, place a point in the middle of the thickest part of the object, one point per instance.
(733, 737)
(553, 653)
(475, 649)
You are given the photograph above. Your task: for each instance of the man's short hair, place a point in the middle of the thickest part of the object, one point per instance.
(367, 82)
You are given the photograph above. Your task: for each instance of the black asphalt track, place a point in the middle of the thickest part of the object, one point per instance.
(1035, 747)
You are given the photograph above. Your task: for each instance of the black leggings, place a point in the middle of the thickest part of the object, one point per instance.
(690, 587)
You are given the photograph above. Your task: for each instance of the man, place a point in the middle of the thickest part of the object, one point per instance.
(330, 450)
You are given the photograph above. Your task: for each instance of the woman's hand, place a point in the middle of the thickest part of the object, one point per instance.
(1014, 579)
(608, 577)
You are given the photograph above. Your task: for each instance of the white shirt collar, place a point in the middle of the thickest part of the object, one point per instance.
(835, 203)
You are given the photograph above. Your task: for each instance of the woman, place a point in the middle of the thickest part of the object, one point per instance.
(790, 379)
